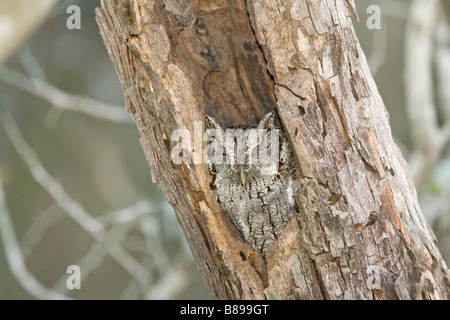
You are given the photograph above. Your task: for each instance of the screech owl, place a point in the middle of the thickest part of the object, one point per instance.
(253, 170)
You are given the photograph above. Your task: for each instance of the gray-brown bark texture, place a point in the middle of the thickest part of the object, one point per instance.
(359, 232)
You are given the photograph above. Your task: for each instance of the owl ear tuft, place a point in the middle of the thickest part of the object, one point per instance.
(210, 123)
(268, 121)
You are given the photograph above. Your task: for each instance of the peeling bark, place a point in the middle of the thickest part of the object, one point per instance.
(359, 233)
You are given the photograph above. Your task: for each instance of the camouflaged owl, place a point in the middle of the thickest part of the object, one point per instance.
(253, 170)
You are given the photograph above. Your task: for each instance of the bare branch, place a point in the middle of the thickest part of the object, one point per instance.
(64, 100)
(73, 208)
(128, 214)
(30, 63)
(15, 259)
(38, 228)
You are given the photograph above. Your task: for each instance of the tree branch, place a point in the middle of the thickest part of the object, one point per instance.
(63, 100)
(15, 259)
(75, 211)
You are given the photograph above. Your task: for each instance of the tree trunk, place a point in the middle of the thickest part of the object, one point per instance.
(359, 233)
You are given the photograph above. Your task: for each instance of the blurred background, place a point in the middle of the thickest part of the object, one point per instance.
(75, 188)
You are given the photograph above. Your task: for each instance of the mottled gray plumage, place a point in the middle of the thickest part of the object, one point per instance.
(256, 195)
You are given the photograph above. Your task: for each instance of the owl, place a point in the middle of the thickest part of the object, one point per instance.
(253, 170)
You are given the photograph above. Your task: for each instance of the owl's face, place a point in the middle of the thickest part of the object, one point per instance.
(253, 172)
(240, 154)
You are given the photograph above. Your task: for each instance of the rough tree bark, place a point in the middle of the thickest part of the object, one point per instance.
(360, 233)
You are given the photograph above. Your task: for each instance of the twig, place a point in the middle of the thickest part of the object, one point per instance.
(30, 64)
(64, 100)
(38, 228)
(128, 214)
(15, 259)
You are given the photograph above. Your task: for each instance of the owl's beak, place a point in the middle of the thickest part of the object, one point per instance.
(243, 175)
